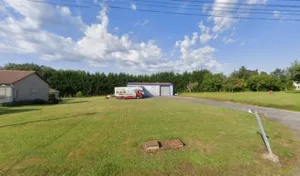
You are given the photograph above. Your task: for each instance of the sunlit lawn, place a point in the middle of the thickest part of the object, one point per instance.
(282, 100)
(95, 136)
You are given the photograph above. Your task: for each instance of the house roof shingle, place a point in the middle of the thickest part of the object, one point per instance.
(12, 76)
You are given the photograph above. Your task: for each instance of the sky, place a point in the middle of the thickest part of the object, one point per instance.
(105, 39)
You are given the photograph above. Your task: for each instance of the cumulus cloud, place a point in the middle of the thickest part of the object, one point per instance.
(193, 57)
(133, 6)
(228, 40)
(277, 14)
(25, 33)
(221, 22)
(205, 33)
(257, 1)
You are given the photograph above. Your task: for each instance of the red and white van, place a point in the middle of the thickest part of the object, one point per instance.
(129, 92)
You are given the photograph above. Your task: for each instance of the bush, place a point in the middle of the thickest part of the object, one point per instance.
(79, 94)
(27, 102)
(52, 99)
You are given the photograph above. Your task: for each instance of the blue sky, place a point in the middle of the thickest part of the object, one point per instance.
(111, 40)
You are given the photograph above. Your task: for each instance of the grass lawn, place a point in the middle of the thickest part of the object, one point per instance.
(95, 136)
(281, 100)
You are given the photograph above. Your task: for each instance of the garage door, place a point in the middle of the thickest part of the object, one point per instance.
(164, 90)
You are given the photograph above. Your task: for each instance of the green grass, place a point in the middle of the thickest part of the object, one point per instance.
(95, 136)
(280, 100)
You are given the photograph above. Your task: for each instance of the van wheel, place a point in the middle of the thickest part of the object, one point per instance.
(137, 97)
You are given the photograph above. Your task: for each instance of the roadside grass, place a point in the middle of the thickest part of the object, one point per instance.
(280, 100)
(95, 136)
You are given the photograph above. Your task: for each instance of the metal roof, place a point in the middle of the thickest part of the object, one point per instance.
(149, 83)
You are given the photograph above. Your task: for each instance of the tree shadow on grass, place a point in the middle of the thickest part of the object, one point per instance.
(73, 102)
(13, 110)
(48, 143)
(46, 120)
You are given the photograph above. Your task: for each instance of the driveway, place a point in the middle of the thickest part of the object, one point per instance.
(290, 118)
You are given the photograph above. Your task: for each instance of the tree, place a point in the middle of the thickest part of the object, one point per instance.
(212, 82)
(190, 86)
(294, 71)
(234, 84)
(263, 82)
(282, 75)
(244, 73)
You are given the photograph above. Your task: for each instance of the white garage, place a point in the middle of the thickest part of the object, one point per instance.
(155, 89)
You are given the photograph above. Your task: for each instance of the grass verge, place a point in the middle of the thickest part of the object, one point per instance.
(95, 136)
(279, 100)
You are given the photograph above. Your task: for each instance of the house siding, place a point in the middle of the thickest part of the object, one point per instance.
(30, 88)
(296, 85)
(6, 93)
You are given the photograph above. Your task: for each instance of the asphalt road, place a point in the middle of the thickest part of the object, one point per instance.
(289, 118)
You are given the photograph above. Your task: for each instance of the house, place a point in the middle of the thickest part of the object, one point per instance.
(154, 89)
(296, 85)
(22, 86)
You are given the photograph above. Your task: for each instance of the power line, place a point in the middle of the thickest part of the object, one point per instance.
(53, 3)
(230, 10)
(212, 3)
(218, 8)
(224, 3)
(209, 10)
(204, 15)
(174, 13)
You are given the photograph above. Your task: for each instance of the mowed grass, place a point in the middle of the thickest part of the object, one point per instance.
(95, 136)
(281, 100)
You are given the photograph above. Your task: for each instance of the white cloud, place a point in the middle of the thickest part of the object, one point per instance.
(43, 15)
(204, 38)
(133, 6)
(219, 17)
(205, 7)
(228, 40)
(142, 23)
(205, 33)
(257, 1)
(116, 29)
(193, 57)
(65, 11)
(97, 46)
(277, 14)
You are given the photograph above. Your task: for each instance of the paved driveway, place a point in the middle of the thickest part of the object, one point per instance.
(290, 118)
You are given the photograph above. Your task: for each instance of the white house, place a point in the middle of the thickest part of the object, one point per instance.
(22, 86)
(296, 85)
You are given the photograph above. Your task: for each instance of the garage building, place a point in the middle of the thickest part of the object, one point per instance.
(155, 89)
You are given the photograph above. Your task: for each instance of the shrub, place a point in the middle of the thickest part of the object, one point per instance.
(79, 94)
(27, 102)
(53, 99)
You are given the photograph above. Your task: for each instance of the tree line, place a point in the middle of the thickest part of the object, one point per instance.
(69, 82)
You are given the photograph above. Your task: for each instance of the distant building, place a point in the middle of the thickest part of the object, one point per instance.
(154, 89)
(22, 86)
(296, 85)
(54, 92)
